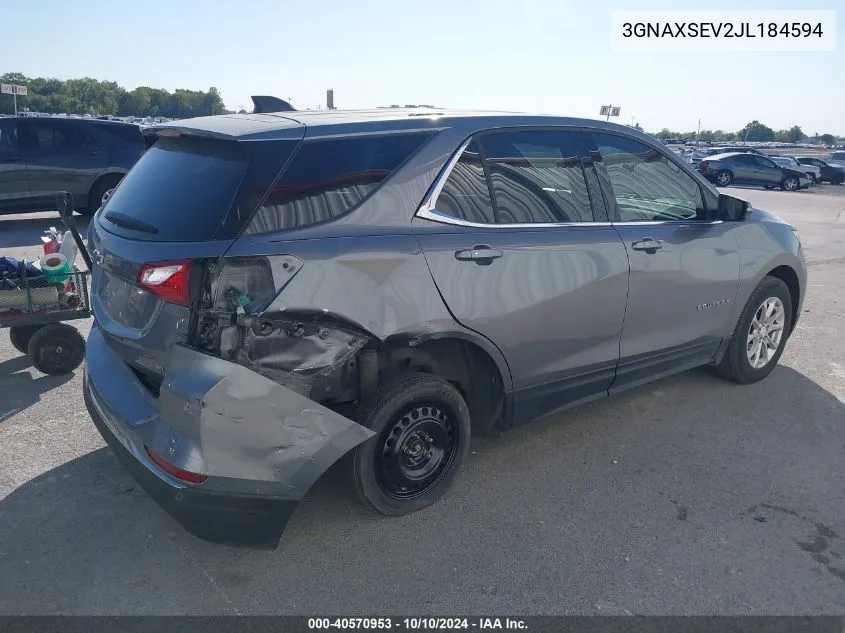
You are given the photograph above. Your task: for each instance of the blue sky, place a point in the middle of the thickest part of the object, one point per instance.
(549, 56)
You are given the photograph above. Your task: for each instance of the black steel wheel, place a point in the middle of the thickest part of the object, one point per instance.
(416, 450)
(20, 336)
(422, 427)
(57, 349)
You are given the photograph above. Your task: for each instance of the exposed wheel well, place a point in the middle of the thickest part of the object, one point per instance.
(464, 364)
(788, 276)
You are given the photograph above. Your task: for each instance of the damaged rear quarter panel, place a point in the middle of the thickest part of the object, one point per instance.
(229, 422)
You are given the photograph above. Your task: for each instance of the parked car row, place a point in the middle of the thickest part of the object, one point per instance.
(745, 165)
(42, 156)
(752, 169)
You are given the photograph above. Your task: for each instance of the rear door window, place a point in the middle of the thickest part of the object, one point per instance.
(536, 177)
(329, 177)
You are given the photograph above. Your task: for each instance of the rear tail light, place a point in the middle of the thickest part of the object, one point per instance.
(705, 164)
(168, 280)
(170, 469)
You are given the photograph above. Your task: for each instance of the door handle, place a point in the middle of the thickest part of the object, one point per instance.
(478, 253)
(648, 244)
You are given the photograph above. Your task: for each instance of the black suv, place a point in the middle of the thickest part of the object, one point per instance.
(41, 156)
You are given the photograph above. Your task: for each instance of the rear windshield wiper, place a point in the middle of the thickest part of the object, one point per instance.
(129, 223)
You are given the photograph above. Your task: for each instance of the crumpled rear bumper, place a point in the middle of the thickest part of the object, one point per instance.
(260, 445)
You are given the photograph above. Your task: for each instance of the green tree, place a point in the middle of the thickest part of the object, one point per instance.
(756, 131)
(90, 96)
(792, 135)
(827, 139)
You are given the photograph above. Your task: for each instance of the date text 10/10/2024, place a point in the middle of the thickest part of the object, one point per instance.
(418, 624)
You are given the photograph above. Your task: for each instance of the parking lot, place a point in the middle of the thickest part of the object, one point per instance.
(687, 496)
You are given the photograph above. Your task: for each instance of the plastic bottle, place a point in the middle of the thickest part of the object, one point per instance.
(68, 248)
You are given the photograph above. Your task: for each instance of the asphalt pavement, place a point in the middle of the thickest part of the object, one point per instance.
(686, 496)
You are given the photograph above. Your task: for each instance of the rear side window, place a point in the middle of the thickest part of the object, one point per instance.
(8, 139)
(180, 190)
(72, 137)
(328, 178)
(536, 177)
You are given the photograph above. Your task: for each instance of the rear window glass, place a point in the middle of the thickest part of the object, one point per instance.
(327, 178)
(180, 190)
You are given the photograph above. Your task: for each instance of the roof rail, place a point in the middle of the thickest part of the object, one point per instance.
(265, 104)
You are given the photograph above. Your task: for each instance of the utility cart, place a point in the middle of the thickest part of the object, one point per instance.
(35, 307)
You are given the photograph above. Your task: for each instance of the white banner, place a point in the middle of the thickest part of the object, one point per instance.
(723, 31)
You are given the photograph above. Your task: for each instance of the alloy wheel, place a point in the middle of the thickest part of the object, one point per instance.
(765, 332)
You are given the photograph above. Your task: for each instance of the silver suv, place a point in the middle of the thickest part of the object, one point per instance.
(274, 292)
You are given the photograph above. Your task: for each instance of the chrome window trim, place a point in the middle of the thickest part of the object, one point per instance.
(692, 222)
(433, 215)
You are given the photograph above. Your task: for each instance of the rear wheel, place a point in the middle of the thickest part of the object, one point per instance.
(790, 183)
(56, 349)
(724, 178)
(422, 427)
(760, 336)
(20, 335)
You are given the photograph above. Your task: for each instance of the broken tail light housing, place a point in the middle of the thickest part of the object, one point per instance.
(167, 280)
(180, 474)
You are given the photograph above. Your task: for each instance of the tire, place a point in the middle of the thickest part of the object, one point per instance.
(790, 183)
(736, 365)
(413, 413)
(20, 336)
(98, 190)
(812, 177)
(57, 349)
(724, 178)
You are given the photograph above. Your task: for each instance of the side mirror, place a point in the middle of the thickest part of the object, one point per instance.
(732, 209)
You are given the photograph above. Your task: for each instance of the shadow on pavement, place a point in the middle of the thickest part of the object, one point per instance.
(19, 389)
(83, 538)
(22, 231)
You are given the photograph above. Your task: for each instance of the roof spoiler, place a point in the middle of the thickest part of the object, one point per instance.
(265, 104)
